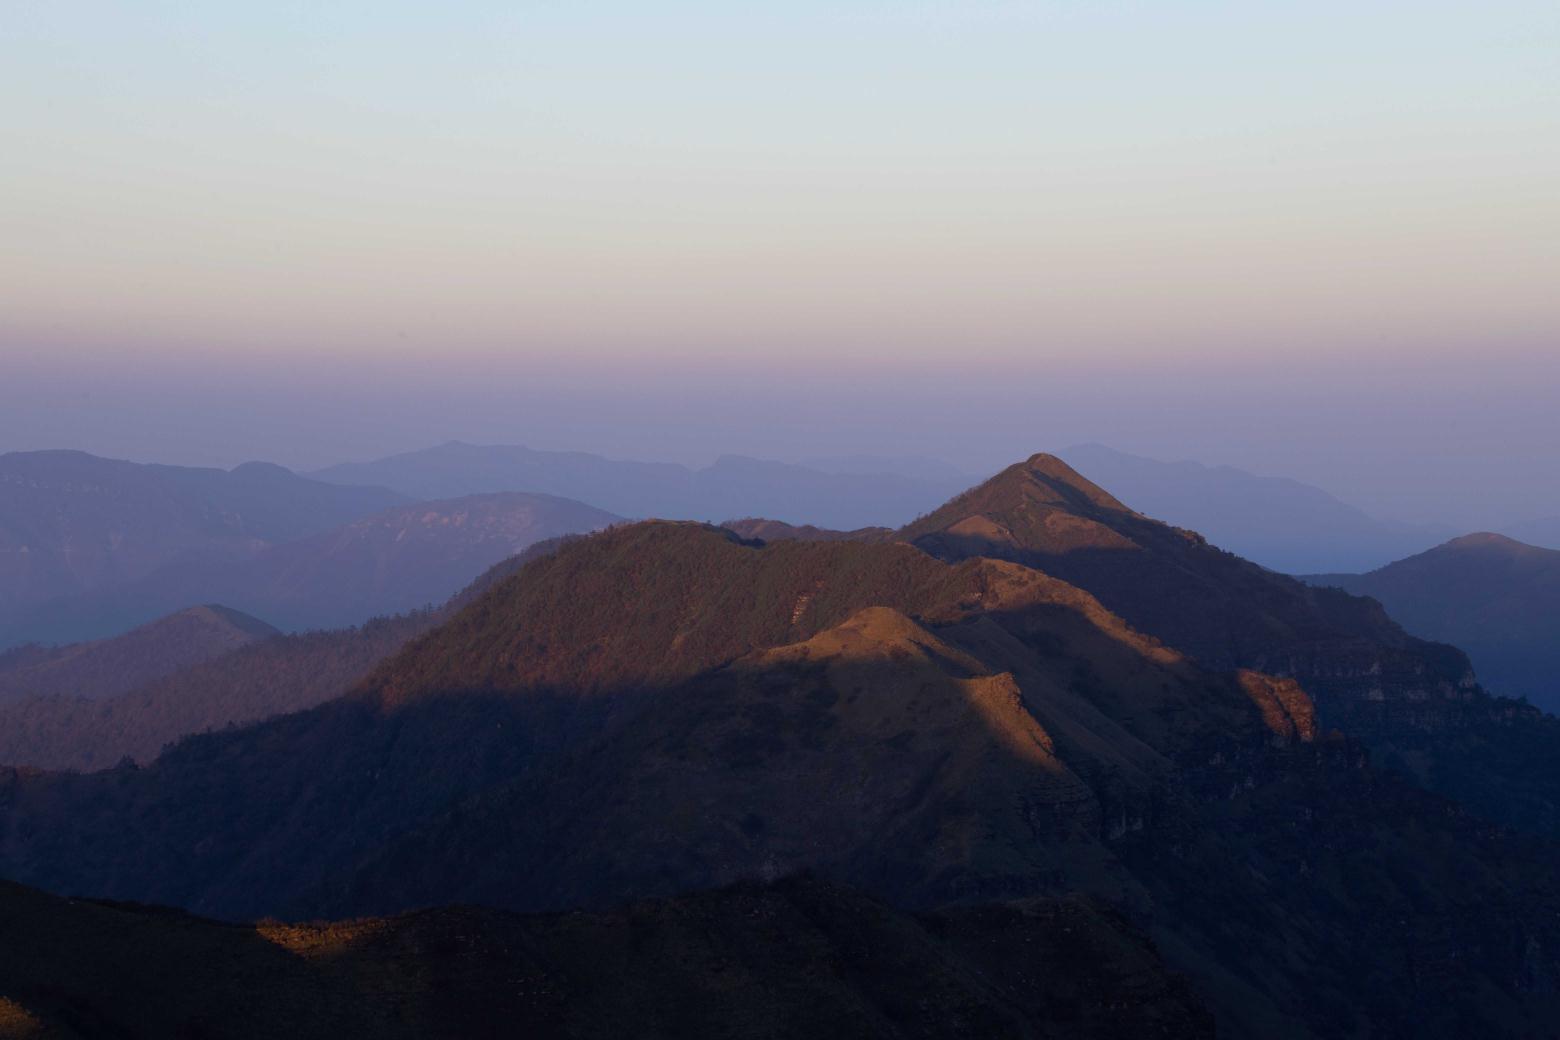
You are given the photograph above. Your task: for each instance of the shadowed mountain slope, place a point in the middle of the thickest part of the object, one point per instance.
(272, 676)
(666, 706)
(1414, 702)
(838, 752)
(797, 958)
(1225, 611)
(544, 660)
(72, 523)
(1492, 596)
(108, 667)
(731, 486)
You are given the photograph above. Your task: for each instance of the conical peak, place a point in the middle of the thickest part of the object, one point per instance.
(1040, 505)
(1061, 477)
(1041, 478)
(1487, 540)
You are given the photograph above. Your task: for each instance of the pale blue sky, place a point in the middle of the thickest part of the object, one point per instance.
(617, 177)
(1310, 219)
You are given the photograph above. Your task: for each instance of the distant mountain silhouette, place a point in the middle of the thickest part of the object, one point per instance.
(1282, 524)
(408, 558)
(668, 706)
(1494, 597)
(99, 670)
(88, 722)
(404, 559)
(72, 524)
(732, 486)
(85, 707)
(798, 958)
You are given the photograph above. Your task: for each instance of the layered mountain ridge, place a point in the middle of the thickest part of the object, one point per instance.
(406, 558)
(101, 670)
(90, 727)
(1416, 703)
(1034, 692)
(73, 523)
(1223, 610)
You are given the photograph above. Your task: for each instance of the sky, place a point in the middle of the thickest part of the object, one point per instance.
(1318, 240)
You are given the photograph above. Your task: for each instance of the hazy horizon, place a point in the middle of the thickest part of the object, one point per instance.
(1318, 242)
(1467, 445)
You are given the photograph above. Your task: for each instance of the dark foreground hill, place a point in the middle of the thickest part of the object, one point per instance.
(1492, 596)
(105, 668)
(668, 707)
(796, 958)
(74, 524)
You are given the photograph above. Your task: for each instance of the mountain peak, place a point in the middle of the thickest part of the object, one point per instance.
(108, 667)
(217, 614)
(1039, 505)
(1486, 541)
(1056, 475)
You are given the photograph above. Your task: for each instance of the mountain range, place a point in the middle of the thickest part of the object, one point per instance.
(1032, 692)
(72, 523)
(91, 547)
(93, 718)
(406, 558)
(100, 670)
(848, 496)
(1493, 596)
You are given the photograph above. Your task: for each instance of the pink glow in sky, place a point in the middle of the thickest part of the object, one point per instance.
(1319, 240)
(1001, 179)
